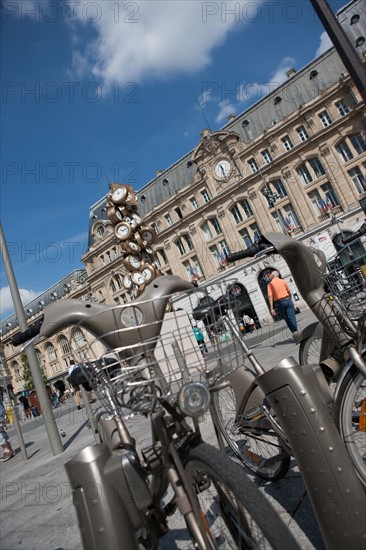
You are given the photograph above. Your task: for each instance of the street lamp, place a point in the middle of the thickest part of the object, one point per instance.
(272, 199)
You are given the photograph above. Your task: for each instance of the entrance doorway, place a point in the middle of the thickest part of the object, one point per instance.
(242, 304)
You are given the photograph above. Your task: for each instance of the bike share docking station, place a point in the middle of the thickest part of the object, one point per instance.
(336, 493)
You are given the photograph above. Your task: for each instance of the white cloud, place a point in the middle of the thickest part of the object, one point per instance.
(325, 44)
(6, 302)
(152, 38)
(226, 108)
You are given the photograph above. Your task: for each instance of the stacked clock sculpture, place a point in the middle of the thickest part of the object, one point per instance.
(136, 238)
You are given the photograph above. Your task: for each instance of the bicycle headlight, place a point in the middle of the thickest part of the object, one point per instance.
(193, 399)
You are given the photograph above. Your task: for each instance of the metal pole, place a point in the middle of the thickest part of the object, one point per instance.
(49, 419)
(342, 44)
(13, 409)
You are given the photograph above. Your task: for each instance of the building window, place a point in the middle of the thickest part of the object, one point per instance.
(246, 207)
(219, 253)
(278, 188)
(193, 269)
(40, 359)
(163, 256)
(179, 213)
(102, 260)
(344, 151)
(342, 108)
(246, 238)
(205, 195)
(194, 203)
(253, 165)
(216, 225)
(358, 143)
(100, 231)
(188, 241)
(51, 352)
(311, 169)
(65, 348)
(180, 247)
(358, 179)
(207, 231)
(79, 338)
(317, 167)
(236, 214)
(330, 195)
(255, 231)
(168, 219)
(287, 143)
(266, 156)
(302, 133)
(116, 282)
(155, 227)
(325, 118)
(304, 173)
(291, 219)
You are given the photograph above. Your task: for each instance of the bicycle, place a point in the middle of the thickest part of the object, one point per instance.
(253, 434)
(144, 361)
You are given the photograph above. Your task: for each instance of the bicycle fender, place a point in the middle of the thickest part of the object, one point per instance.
(109, 493)
(242, 383)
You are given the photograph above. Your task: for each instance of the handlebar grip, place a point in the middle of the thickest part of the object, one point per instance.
(31, 331)
(249, 252)
(357, 235)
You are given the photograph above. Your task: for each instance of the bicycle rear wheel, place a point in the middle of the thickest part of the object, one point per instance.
(309, 350)
(350, 415)
(232, 510)
(252, 443)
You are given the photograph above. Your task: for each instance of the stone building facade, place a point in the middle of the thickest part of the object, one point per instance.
(294, 162)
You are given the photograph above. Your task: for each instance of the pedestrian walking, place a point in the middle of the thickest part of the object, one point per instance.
(279, 297)
(4, 437)
(200, 339)
(76, 387)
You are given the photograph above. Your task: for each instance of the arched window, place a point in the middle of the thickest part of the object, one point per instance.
(64, 344)
(51, 352)
(79, 338)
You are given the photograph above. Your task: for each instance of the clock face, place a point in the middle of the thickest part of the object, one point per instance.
(148, 235)
(127, 283)
(138, 278)
(135, 262)
(148, 272)
(132, 247)
(222, 169)
(119, 195)
(123, 230)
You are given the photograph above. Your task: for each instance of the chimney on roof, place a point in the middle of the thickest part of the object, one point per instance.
(231, 117)
(158, 173)
(291, 72)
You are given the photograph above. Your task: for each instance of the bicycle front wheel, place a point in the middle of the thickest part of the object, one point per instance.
(255, 444)
(350, 415)
(232, 511)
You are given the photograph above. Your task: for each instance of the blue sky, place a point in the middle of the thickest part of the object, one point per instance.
(108, 91)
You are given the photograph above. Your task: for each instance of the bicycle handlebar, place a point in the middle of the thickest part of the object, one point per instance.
(249, 252)
(30, 332)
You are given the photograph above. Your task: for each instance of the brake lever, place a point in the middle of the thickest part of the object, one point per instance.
(33, 340)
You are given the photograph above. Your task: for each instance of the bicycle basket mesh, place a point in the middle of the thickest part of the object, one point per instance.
(347, 284)
(155, 358)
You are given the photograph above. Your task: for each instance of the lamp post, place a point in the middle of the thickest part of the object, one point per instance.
(272, 199)
(270, 196)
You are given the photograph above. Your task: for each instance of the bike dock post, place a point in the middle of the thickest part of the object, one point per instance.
(335, 491)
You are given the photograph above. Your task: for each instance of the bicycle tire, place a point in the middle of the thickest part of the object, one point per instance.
(249, 443)
(309, 350)
(232, 509)
(347, 410)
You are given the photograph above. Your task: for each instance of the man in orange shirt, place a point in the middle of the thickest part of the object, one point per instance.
(279, 297)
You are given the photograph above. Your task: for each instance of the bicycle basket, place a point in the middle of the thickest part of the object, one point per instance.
(132, 379)
(347, 283)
